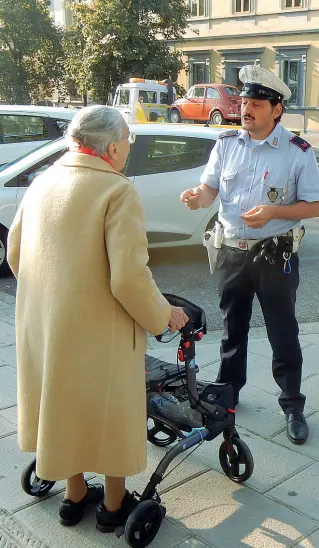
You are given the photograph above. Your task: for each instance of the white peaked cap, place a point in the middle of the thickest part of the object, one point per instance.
(260, 83)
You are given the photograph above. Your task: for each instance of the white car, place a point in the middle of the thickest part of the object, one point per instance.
(25, 127)
(164, 160)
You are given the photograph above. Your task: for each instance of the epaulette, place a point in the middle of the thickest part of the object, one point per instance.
(301, 143)
(231, 133)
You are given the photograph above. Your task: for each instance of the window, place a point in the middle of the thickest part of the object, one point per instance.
(212, 93)
(163, 98)
(61, 125)
(199, 73)
(292, 64)
(199, 69)
(123, 97)
(291, 77)
(167, 153)
(198, 8)
(22, 129)
(195, 92)
(199, 93)
(242, 6)
(30, 174)
(293, 4)
(147, 96)
(232, 91)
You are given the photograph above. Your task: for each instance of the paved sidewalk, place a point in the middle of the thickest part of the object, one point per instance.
(278, 507)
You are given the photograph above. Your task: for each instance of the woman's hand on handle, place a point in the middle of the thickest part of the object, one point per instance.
(178, 318)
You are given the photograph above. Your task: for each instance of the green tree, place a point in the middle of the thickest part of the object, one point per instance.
(31, 53)
(112, 40)
(76, 63)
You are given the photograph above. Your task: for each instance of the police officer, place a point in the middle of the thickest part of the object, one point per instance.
(268, 180)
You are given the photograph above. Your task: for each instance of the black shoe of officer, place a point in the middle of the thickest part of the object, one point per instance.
(107, 522)
(297, 429)
(71, 512)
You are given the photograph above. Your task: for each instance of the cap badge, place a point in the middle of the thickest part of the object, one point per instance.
(255, 72)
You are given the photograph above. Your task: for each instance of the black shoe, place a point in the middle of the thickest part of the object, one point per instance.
(297, 429)
(71, 512)
(107, 522)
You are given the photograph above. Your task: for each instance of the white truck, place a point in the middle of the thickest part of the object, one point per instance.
(142, 100)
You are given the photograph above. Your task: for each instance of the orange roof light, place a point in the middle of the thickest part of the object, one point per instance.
(136, 80)
(145, 81)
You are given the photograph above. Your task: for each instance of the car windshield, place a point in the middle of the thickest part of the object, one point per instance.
(232, 91)
(9, 164)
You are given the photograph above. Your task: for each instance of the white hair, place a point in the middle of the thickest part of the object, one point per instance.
(96, 127)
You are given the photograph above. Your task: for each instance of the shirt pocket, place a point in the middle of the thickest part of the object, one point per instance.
(228, 181)
(278, 191)
(273, 194)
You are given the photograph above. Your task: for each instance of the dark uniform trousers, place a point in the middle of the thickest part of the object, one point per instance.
(240, 280)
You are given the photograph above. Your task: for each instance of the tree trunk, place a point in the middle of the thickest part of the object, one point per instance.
(85, 99)
(21, 94)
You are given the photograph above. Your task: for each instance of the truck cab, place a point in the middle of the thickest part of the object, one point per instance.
(143, 100)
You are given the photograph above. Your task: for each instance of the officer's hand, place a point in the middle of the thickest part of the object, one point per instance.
(191, 198)
(178, 318)
(259, 216)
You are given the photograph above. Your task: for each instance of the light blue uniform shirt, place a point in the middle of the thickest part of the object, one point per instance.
(244, 172)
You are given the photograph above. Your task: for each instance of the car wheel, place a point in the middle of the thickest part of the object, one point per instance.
(4, 267)
(175, 116)
(217, 118)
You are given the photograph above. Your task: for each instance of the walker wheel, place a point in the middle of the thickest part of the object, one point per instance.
(143, 523)
(32, 485)
(160, 435)
(236, 459)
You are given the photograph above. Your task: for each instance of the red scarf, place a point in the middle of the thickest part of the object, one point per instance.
(91, 152)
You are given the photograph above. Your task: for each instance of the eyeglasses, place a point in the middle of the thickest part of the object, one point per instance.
(130, 137)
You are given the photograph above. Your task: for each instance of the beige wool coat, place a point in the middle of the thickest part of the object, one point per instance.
(85, 300)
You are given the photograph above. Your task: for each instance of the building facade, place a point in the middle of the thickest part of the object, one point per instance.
(61, 13)
(281, 35)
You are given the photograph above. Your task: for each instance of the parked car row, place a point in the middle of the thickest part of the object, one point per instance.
(164, 160)
(217, 103)
(24, 128)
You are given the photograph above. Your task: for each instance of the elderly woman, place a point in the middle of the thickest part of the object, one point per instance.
(85, 300)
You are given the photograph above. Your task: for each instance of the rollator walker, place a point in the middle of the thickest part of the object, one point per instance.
(182, 412)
